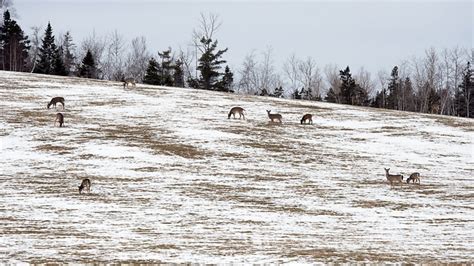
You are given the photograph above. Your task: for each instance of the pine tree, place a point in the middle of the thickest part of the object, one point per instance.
(379, 100)
(348, 86)
(58, 64)
(178, 75)
(278, 93)
(393, 90)
(68, 53)
(408, 103)
(209, 65)
(47, 53)
(166, 75)
(152, 75)
(227, 81)
(464, 97)
(296, 94)
(331, 96)
(14, 45)
(88, 68)
(50, 59)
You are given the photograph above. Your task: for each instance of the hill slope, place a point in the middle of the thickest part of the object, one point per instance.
(174, 180)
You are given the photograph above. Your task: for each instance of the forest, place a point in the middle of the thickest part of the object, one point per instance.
(440, 82)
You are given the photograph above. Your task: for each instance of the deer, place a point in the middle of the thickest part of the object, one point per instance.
(414, 177)
(274, 116)
(128, 81)
(393, 178)
(59, 119)
(238, 110)
(85, 184)
(308, 117)
(56, 100)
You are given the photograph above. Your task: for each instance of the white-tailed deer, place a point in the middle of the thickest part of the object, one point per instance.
(56, 100)
(308, 117)
(59, 119)
(414, 177)
(128, 81)
(238, 110)
(85, 184)
(393, 178)
(274, 116)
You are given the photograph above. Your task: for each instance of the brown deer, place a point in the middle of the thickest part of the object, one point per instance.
(393, 178)
(308, 117)
(274, 116)
(414, 177)
(128, 81)
(56, 100)
(238, 110)
(85, 184)
(59, 119)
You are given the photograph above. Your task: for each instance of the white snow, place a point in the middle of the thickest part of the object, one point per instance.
(174, 180)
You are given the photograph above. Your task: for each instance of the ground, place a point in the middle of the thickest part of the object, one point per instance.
(174, 180)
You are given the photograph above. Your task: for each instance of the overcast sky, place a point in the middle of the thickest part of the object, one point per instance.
(373, 34)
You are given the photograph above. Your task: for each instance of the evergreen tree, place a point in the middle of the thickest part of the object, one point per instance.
(348, 86)
(464, 97)
(393, 90)
(306, 94)
(296, 94)
(209, 65)
(331, 96)
(14, 45)
(379, 100)
(88, 68)
(178, 75)
(278, 93)
(360, 96)
(408, 103)
(50, 57)
(227, 81)
(433, 101)
(152, 75)
(58, 64)
(167, 67)
(68, 53)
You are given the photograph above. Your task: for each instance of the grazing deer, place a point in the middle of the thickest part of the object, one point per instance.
(308, 117)
(128, 81)
(238, 110)
(393, 178)
(59, 119)
(85, 184)
(274, 116)
(56, 100)
(414, 177)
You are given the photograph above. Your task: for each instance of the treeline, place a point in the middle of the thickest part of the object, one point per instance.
(441, 82)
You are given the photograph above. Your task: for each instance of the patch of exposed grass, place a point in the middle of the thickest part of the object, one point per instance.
(55, 148)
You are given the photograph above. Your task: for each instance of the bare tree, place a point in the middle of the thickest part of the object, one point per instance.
(382, 78)
(258, 76)
(97, 45)
(138, 59)
(114, 63)
(333, 80)
(209, 24)
(248, 82)
(363, 78)
(310, 77)
(292, 73)
(34, 49)
(187, 58)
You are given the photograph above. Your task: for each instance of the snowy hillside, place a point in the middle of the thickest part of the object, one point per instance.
(174, 180)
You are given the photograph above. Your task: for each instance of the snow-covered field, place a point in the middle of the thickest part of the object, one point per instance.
(174, 180)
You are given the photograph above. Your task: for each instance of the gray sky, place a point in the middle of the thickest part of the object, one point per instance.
(373, 34)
